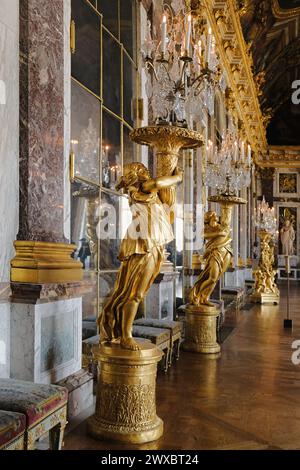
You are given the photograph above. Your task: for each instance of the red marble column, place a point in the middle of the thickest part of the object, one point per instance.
(42, 252)
(41, 121)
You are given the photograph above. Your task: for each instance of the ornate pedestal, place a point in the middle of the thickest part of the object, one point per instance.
(201, 329)
(126, 407)
(46, 331)
(265, 298)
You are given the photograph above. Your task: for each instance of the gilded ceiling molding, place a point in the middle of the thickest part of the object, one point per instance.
(284, 14)
(237, 61)
(280, 156)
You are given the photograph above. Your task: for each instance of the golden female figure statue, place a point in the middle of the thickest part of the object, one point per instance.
(218, 255)
(141, 251)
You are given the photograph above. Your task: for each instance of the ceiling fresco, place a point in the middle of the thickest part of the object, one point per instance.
(288, 4)
(273, 37)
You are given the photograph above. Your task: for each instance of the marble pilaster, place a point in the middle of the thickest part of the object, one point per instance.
(42, 121)
(42, 250)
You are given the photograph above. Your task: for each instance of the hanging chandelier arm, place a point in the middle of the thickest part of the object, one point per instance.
(150, 65)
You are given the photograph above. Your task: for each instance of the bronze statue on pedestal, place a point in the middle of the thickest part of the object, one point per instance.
(141, 251)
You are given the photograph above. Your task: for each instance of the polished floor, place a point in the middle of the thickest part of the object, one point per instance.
(249, 398)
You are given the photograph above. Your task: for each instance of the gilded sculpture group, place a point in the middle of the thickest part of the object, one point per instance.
(141, 257)
(265, 274)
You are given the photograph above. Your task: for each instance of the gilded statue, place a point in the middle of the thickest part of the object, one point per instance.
(287, 234)
(264, 276)
(141, 252)
(217, 257)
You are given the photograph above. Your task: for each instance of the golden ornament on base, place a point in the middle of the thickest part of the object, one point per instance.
(201, 329)
(126, 409)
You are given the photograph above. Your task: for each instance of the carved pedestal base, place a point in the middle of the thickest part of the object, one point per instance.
(263, 298)
(126, 407)
(201, 329)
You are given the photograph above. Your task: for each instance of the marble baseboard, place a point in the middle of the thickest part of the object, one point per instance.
(46, 340)
(80, 387)
(4, 340)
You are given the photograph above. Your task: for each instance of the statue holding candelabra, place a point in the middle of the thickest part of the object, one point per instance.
(217, 256)
(228, 171)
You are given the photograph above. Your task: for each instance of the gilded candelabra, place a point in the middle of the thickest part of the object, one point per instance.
(201, 314)
(126, 408)
(265, 288)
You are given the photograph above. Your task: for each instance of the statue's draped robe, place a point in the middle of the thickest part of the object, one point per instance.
(216, 250)
(142, 246)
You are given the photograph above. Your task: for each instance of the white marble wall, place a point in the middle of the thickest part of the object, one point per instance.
(4, 340)
(9, 132)
(46, 340)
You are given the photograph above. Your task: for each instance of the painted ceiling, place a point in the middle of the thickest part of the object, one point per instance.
(287, 4)
(272, 30)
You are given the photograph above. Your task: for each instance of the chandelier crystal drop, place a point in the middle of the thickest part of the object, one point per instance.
(182, 67)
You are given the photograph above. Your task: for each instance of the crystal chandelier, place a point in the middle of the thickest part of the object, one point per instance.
(228, 168)
(182, 68)
(264, 218)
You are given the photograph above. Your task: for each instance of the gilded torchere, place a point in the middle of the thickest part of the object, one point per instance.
(126, 388)
(167, 141)
(265, 288)
(201, 314)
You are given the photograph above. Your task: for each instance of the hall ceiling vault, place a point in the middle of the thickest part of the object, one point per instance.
(259, 45)
(242, 99)
(271, 29)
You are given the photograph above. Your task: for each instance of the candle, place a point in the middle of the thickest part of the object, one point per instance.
(235, 153)
(209, 44)
(199, 52)
(188, 34)
(209, 149)
(243, 151)
(249, 155)
(164, 34)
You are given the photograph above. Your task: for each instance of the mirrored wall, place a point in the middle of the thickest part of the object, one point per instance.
(104, 89)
